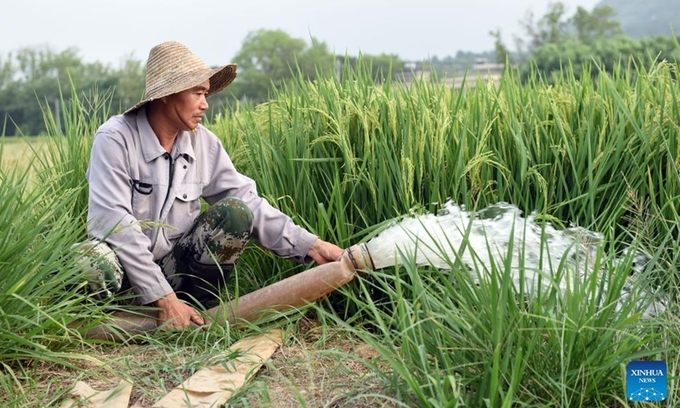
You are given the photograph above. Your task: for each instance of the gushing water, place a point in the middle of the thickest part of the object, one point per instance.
(494, 236)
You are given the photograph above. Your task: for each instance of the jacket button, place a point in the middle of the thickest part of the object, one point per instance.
(184, 196)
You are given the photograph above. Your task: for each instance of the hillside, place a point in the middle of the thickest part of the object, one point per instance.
(644, 18)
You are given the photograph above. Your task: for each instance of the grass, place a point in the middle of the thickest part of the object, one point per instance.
(345, 159)
(314, 367)
(17, 152)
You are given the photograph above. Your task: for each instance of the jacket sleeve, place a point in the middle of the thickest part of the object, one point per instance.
(273, 229)
(110, 216)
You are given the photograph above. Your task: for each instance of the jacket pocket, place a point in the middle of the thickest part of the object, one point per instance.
(185, 209)
(144, 200)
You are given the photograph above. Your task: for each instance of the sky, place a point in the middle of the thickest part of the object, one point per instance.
(111, 31)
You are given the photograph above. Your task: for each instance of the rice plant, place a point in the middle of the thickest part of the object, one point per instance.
(345, 157)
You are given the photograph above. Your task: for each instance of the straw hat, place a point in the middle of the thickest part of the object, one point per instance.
(173, 68)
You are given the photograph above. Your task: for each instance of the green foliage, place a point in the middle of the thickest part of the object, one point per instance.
(601, 22)
(64, 164)
(271, 57)
(381, 67)
(38, 271)
(556, 42)
(365, 153)
(345, 157)
(551, 28)
(502, 52)
(37, 78)
(451, 341)
(606, 53)
(555, 27)
(42, 218)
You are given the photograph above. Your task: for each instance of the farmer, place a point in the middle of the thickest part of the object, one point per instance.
(148, 169)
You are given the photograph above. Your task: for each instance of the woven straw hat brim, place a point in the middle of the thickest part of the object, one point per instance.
(172, 84)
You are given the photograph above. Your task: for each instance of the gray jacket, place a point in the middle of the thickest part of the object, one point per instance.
(126, 152)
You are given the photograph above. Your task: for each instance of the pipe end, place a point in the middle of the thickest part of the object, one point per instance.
(360, 257)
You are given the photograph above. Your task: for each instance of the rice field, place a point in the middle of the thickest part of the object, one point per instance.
(345, 160)
(18, 151)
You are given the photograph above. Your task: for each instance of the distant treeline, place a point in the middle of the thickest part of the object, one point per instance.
(39, 78)
(33, 79)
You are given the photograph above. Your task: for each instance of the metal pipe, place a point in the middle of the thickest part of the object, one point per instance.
(292, 292)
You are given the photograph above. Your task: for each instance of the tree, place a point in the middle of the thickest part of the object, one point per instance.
(606, 52)
(550, 59)
(33, 79)
(316, 60)
(549, 29)
(129, 88)
(6, 72)
(35, 86)
(600, 23)
(502, 53)
(584, 38)
(271, 57)
(660, 48)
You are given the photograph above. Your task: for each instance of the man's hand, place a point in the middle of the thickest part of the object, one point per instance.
(323, 252)
(174, 313)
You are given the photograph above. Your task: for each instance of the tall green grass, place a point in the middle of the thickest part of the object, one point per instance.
(42, 218)
(364, 153)
(454, 341)
(36, 307)
(344, 158)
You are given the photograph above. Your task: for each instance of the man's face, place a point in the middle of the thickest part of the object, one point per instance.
(189, 106)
